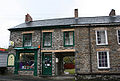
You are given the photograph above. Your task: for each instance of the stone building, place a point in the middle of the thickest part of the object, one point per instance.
(39, 46)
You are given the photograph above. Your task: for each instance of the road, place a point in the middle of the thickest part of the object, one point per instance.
(30, 78)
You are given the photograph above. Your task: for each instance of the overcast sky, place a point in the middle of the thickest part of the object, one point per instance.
(12, 12)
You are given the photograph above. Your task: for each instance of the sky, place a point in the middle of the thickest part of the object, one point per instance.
(12, 12)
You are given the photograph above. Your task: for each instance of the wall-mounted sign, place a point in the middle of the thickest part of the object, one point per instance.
(11, 60)
(11, 43)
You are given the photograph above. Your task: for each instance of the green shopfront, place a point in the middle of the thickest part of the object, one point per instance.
(26, 60)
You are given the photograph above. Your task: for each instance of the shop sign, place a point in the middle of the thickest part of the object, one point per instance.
(11, 60)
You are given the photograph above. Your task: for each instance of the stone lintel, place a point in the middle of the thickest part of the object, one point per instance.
(63, 30)
(103, 28)
(102, 49)
(26, 32)
(47, 30)
(67, 50)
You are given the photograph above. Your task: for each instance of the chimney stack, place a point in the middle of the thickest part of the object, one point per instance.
(76, 13)
(112, 13)
(28, 18)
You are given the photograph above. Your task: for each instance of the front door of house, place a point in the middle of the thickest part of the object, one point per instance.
(47, 64)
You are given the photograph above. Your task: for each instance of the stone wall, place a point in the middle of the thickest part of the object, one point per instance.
(82, 51)
(17, 38)
(98, 77)
(112, 47)
(57, 41)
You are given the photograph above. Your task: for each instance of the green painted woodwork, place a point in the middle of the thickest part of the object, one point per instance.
(44, 34)
(26, 48)
(35, 66)
(64, 39)
(46, 64)
(17, 61)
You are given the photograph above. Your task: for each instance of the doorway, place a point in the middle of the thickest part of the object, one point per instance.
(46, 64)
(66, 63)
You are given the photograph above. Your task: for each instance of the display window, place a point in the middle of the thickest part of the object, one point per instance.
(26, 61)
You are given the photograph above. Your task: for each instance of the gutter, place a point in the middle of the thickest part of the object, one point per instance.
(97, 24)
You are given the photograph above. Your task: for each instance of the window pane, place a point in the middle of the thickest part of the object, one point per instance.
(102, 57)
(68, 38)
(26, 61)
(71, 38)
(101, 38)
(47, 39)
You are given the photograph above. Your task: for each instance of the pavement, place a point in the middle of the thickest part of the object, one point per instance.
(34, 78)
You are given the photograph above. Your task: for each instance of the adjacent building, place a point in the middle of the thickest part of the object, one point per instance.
(40, 46)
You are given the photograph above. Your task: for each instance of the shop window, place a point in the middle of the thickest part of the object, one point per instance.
(26, 61)
(47, 39)
(27, 40)
(103, 59)
(69, 38)
(101, 37)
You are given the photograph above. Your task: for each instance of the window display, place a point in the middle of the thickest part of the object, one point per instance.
(26, 61)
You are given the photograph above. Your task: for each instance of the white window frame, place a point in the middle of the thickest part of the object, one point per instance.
(108, 60)
(106, 42)
(118, 37)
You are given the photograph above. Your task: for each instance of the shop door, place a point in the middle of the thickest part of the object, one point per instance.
(47, 64)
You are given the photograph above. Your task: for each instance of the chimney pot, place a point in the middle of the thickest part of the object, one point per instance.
(76, 13)
(28, 18)
(112, 13)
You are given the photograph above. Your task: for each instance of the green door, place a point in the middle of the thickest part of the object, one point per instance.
(47, 64)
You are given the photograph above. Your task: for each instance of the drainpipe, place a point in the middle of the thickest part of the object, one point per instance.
(90, 48)
(41, 46)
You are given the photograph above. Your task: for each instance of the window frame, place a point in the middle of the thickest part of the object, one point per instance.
(108, 60)
(64, 39)
(106, 38)
(44, 39)
(24, 39)
(118, 37)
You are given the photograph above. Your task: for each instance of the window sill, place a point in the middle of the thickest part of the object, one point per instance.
(27, 46)
(47, 46)
(103, 68)
(68, 45)
(101, 44)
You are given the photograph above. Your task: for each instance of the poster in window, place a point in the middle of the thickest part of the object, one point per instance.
(11, 60)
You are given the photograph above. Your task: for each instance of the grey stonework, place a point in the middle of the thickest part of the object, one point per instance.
(111, 47)
(53, 63)
(98, 77)
(82, 50)
(57, 41)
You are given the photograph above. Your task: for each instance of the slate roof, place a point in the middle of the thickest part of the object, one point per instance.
(70, 21)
